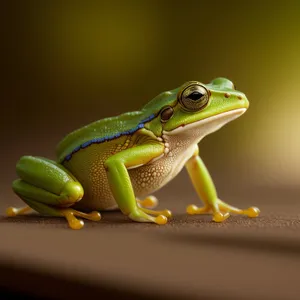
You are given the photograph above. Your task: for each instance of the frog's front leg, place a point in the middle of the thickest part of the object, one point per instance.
(120, 183)
(206, 190)
(48, 188)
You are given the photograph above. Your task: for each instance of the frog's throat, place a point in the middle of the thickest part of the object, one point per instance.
(199, 129)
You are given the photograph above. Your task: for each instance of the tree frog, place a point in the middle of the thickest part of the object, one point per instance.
(118, 162)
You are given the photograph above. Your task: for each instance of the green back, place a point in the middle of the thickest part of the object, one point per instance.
(111, 128)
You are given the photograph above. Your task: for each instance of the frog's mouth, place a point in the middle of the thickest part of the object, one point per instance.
(208, 125)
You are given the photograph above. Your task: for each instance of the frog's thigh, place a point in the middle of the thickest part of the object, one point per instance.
(27, 191)
(48, 188)
(46, 181)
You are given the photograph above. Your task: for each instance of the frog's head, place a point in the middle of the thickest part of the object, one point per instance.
(196, 108)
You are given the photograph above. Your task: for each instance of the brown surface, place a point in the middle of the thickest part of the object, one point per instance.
(188, 258)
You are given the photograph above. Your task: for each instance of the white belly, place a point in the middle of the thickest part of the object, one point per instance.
(151, 177)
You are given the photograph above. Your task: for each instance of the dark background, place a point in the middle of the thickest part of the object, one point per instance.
(68, 63)
(65, 64)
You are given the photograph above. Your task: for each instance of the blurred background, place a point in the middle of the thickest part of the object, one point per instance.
(67, 63)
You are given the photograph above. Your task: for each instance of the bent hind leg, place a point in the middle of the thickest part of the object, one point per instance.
(48, 188)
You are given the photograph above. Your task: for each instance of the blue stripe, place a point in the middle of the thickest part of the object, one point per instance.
(68, 157)
(108, 138)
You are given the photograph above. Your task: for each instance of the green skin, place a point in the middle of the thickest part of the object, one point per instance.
(113, 162)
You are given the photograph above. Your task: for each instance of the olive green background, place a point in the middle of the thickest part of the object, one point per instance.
(68, 63)
(65, 64)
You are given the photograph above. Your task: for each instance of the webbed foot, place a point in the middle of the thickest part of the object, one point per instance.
(142, 215)
(167, 213)
(251, 212)
(71, 214)
(151, 202)
(17, 211)
(217, 215)
(221, 211)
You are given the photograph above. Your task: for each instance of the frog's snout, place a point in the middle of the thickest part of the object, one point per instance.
(243, 100)
(240, 97)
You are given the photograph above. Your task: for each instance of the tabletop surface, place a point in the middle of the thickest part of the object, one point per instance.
(189, 258)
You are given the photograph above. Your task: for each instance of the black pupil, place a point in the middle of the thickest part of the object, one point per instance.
(195, 95)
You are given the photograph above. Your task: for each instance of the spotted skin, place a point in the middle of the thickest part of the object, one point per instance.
(116, 162)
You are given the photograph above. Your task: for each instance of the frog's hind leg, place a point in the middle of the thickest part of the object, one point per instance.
(49, 189)
(48, 204)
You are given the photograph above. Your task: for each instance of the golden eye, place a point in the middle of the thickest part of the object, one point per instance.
(194, 97)
(166, 114)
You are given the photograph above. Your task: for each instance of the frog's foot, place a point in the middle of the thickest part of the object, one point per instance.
(149, 202)
(167, 213)
(71, 214)
(217, 215)
(14, 211)
(195, 210)
(251, 212)
(221, 211)
(141, 215)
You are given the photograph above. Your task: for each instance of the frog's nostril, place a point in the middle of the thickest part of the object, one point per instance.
(227, 95)
(240, 97)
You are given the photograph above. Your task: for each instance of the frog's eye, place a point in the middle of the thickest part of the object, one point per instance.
(194, 97)
(166, 113)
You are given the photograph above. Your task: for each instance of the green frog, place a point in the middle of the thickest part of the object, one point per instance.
(119, 162)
